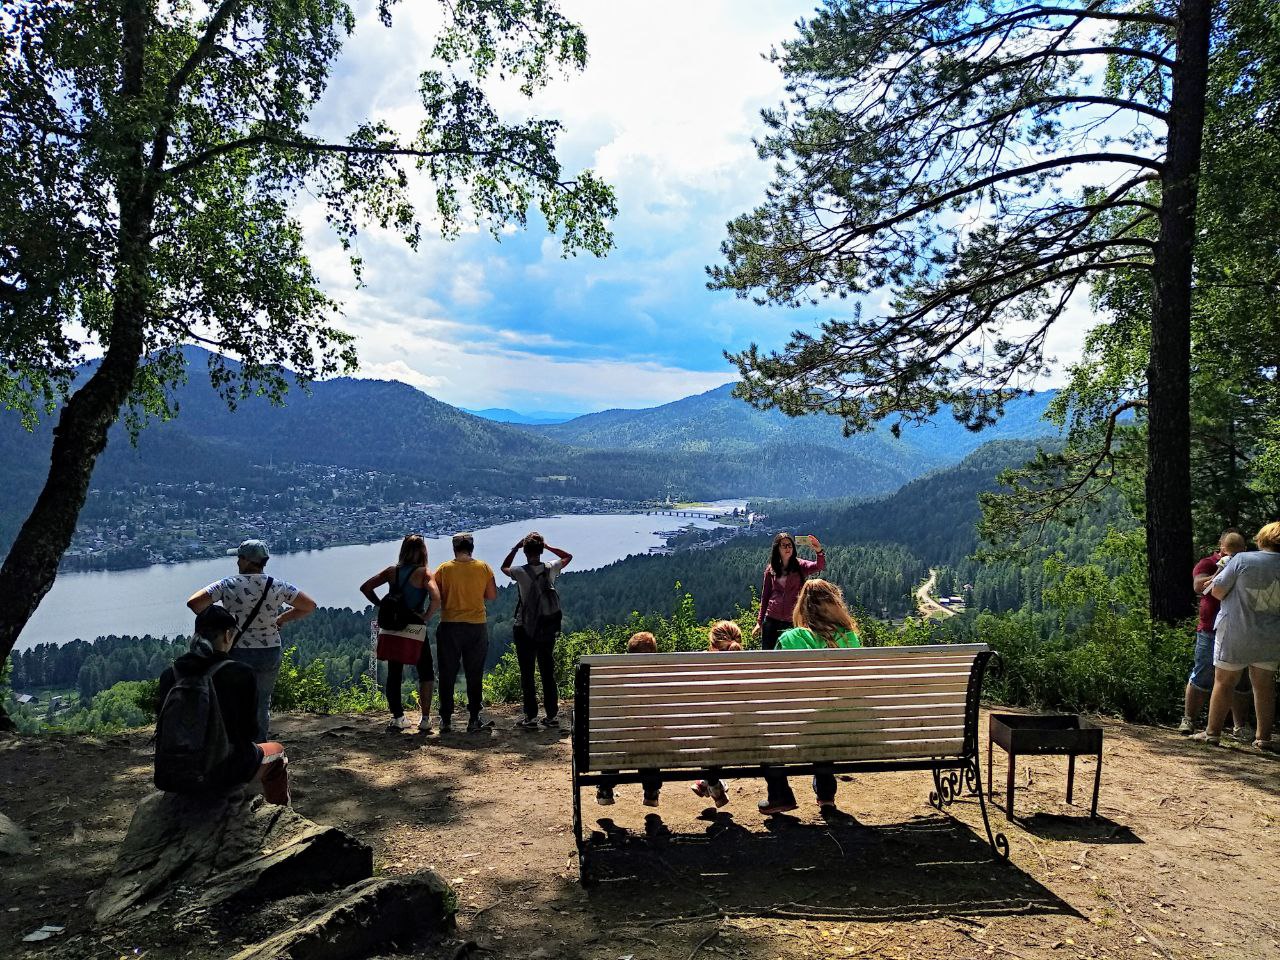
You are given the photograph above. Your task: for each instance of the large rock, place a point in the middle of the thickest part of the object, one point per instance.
(370, 915)
(14, 841)
(208, 851)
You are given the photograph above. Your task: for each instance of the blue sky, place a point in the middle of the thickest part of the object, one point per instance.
(665, 112)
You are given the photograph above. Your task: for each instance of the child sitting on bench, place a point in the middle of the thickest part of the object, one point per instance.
(725, 636)
(642, 642)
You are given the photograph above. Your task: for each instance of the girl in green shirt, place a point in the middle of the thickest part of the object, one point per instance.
(821, 620)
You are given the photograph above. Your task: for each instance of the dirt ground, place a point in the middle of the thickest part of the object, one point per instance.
(1182, 862)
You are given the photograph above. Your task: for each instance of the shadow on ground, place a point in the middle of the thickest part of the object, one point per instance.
(1081, 829)
(925, 867)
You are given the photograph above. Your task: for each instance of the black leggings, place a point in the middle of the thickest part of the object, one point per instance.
(395, 679)
(771, 630)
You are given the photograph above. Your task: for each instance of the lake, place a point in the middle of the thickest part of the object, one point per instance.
(153, 599)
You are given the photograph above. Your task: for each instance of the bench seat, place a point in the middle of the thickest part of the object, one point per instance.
(745, 714)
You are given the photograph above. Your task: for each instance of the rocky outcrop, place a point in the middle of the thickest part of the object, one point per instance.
(369, 916)
(200, 853)
(14, 841)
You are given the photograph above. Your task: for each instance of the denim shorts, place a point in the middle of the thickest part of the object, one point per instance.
(1202, 668)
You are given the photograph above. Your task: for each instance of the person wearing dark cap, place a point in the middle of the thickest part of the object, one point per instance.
(236, 689)
(261, 605)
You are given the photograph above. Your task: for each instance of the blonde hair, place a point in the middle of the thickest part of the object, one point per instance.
(1268, 537)
(1233, 541)
(642, 642)
(723, 634)
(820, 609)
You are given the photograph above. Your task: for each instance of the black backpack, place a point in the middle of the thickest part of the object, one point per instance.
(393, 611)
(541, 614)
(191, 738)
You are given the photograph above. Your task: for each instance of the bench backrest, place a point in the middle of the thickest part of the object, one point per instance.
(699, 710)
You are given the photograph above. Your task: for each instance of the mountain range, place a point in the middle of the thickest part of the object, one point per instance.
(505, 415)
(707, 446)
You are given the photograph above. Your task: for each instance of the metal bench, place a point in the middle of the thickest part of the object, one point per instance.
(792, 712)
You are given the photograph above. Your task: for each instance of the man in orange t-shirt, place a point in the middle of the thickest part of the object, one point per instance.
(463, 635)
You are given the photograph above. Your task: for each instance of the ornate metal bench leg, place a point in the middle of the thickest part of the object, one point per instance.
(999, 842)
(584, 876)
(946, 787)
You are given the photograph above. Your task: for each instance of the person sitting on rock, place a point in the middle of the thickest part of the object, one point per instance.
(234, 687)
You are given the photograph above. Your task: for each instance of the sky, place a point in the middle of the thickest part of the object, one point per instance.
(665, 111)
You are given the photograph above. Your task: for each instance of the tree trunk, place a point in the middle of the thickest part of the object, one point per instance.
(78, 439)
(81, 434)
(1169, 529)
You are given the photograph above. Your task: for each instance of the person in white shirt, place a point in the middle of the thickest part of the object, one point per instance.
(258, 642)
(534, 635)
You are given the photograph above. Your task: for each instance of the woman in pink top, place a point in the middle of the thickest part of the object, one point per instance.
(783, 577)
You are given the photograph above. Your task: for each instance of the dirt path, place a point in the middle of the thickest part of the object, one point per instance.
(925, 603)
(1182, 864)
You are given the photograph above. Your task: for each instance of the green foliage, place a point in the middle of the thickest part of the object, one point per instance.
(221, 99)
(1235, 324)
(123, 706)
(681, 631)
(1091, 647)
(301, 687)
(307, 688)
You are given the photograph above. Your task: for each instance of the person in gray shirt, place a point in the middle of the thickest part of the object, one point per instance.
(1247, 634)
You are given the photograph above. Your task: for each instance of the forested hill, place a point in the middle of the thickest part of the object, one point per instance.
(935, 515)
(877, 550)
(705, 447)
(718, 421)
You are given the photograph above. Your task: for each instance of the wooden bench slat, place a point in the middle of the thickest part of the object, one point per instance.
(710, 692)
(725, 723)
(640, 665)
(784, 681)
(728, 736)
(685, 759)
(665, 706)
(598, 660)
(712, 672)
(815, 736)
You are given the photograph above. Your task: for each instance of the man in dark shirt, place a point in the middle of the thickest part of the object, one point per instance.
(237, 691)
(1200, 683)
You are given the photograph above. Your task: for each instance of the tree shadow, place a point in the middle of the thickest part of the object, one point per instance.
(925, 867)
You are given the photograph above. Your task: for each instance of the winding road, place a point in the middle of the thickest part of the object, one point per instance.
(925, 602)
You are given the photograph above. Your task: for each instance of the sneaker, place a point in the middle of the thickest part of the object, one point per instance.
(1187, 727)
(770, 807)
(604, 796)
(551, 722)
(651, 798)
(701, 788)
(399, 723)
(822, 804)
(424, 725)
(526, 723)
(475, 725)
(1242, 734)
(1204, 736)
(1267, 746)
(720, 795)
(446, 725)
